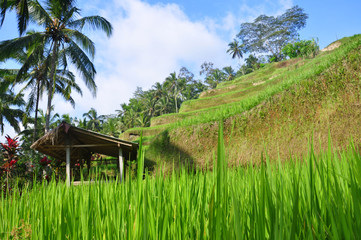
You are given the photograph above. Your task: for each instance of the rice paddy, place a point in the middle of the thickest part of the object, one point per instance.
(230, 103)
(314, 197)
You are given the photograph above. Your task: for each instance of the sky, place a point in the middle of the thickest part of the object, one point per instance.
(153, 38)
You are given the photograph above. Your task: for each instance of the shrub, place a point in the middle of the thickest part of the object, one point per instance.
(303, 48)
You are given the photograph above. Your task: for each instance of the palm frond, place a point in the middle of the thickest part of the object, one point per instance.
(38, 13)
(10, 47)
(84, 66)
(3, 7)
(82, 40)
(95, 23)
(70, 14)
(22, 12)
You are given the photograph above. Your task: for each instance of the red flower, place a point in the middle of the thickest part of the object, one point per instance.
(11, 145)
(12, 162)
(45, 161)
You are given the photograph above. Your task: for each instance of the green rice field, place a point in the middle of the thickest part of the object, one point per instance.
(314, 197)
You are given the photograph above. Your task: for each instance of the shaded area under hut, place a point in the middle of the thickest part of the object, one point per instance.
(69, 143)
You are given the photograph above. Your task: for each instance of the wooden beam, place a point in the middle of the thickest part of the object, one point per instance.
(101, 136)
(80, 146)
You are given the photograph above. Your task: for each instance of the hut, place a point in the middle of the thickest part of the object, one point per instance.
(67, 142)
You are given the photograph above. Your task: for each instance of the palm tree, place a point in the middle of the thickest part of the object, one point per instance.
(8, 100)
(81, 123)
(63, 39)
(112, 126)
(95, 121)
(21, 8)
(215, 78)
(54, 120)
(163, 106)
(235, 49)
(22, 12)
(34, 73)
(229, 72)
(175, 85)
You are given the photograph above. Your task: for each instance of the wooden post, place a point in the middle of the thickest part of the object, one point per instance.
(68, 161)
(121, 164)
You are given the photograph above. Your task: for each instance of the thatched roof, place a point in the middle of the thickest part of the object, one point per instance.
(83, 143)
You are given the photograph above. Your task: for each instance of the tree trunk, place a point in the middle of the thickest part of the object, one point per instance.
(51, 85)
(36, 109)
(175, 99)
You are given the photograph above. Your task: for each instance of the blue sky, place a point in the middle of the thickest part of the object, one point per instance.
(153, 38)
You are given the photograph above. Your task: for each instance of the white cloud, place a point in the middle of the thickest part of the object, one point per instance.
(151, 41)
(148, 43)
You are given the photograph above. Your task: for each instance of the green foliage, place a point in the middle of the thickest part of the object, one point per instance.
(303, 48)
(313, 197)
(274, 80)
(10, 106)
(268, 34)
(62, 37)
(162, 98)
(252, 64)
(235, 49)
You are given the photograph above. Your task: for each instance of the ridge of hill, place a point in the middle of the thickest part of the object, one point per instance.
(274, 110)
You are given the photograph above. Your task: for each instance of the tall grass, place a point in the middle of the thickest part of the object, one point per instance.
(316, 197)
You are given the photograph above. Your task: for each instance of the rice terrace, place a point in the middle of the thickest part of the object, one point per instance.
(262, 141)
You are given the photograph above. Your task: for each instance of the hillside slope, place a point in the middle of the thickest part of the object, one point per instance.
(276, 109)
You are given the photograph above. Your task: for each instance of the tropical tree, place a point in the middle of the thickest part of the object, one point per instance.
(268, 34)
(112, 126)
(302, 48)
(63, 39)
(215, 78)
(206, 69)
(10, 105)
(163, 105)
(175, 86)
(81, 123)
(34, 72)
(54, 120)
(229, 72)
(235, 49)
(21, 9)
(94, 121)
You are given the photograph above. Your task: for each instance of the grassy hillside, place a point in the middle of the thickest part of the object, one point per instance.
(276, 109)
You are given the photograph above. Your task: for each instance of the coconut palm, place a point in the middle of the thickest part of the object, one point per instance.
(10, 105)
(229, 73)
(33, 73)
(235, 49)
(21, 9)
(95, 121)
(81, 123)
(54, 119)
(215, 78)
(63, 38)
(112, 126)
(175, 86)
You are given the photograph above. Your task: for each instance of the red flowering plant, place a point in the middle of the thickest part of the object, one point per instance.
(9, 151)
(44, 161)
(10, 157)
(45, 167)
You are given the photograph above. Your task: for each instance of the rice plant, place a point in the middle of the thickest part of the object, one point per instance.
(314, 197)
